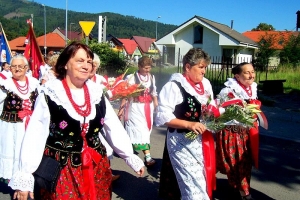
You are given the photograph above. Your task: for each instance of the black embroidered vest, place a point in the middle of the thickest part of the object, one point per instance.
(13, 104)
(64, 141)
(189, 109)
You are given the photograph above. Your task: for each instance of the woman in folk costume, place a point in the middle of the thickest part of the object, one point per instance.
(17, 98)
(234, 150)
(69, 113)
(138, 115)
(184, 173)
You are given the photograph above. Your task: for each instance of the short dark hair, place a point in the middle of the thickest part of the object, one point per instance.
(68, 53)
(3, 64)
(238, 68)
(194, 56)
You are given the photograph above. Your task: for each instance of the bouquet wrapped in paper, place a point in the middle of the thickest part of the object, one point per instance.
(227, 109)
(118, 88)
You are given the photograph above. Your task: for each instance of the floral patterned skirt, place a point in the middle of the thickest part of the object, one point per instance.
(70, 183)
(234, 156)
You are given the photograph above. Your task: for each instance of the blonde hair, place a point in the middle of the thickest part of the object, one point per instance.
(52, 60)
(96, 60)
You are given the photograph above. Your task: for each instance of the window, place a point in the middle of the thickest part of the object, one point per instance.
(198, 34)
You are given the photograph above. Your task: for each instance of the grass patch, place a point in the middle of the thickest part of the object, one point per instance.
(289, 73)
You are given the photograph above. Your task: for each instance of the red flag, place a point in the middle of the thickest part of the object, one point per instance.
(32, 52)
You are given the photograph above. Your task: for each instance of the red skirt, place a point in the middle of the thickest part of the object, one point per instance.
(234, 156)
(70, 183)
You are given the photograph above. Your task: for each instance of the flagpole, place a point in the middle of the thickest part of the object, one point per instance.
(66, 32)
(5, 39)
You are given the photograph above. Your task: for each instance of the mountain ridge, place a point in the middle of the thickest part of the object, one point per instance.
(14, 14)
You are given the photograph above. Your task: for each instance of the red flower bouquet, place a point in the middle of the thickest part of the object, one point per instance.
(119, 88)
(227, 109)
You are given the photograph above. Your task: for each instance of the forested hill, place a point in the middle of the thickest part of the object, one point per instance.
(14, 14)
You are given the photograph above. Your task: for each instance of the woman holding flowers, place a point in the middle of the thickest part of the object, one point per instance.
(138, 114)
(183, 174)
(69, 113)
(234, 156)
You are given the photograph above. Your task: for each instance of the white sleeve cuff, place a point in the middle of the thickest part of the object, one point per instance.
(22, 181)
(134, 162)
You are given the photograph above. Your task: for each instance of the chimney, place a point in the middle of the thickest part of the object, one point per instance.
(231, 26)
(298, 20)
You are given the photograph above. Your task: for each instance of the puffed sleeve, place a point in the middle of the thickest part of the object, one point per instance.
(118, 139)
(154, 92)
(168, 98)
(33, 146)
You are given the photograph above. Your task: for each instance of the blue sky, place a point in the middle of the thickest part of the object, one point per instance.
(245, 14)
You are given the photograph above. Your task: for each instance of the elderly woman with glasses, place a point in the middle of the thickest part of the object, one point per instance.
(17, 98)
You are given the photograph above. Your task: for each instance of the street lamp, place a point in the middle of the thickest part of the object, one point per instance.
(66, 33)
(45, 47)
(156, 27)
(71, 30)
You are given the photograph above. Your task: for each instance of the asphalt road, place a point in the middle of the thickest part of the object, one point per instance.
(278, 176)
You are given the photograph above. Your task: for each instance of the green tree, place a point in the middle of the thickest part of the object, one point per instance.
(264, 27)
(111, 61)
(266, 50)
(291, 51)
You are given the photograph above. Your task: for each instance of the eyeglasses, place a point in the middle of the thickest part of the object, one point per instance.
(18, 66)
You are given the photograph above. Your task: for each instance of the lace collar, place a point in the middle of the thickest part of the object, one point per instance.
(189, 89)
(233, 85)
(55, 90)
(9, 85)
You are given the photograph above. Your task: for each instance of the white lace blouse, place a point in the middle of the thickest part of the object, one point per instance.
(170, 96)
(38, 131)
(233, 86)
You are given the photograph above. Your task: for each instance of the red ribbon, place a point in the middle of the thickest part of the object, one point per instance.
(208, 147)
(214, 110)
(254, 137)
(254, 143)
(146, 99)
(25, 113)
(2, 76)
(89, 156)
(233, 101)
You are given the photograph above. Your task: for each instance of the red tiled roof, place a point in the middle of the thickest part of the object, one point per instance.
(280, 36)
(129, 45)
(72, 35)
(143, 42)
(17, 44)
(52, 40)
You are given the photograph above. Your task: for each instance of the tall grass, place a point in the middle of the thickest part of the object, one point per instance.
(284, 72)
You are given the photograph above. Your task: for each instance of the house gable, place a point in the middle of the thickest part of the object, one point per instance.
(227, 36)
(129, 45)
(143, 43)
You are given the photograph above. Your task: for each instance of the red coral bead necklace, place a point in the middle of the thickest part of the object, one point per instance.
(87, 103)
(142, 79)
(22, 89)
(246, 89)
(199, 88)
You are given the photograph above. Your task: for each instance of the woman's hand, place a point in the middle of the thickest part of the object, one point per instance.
(196, 127)
(121, 112)
(20, 195)
(141, 172)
